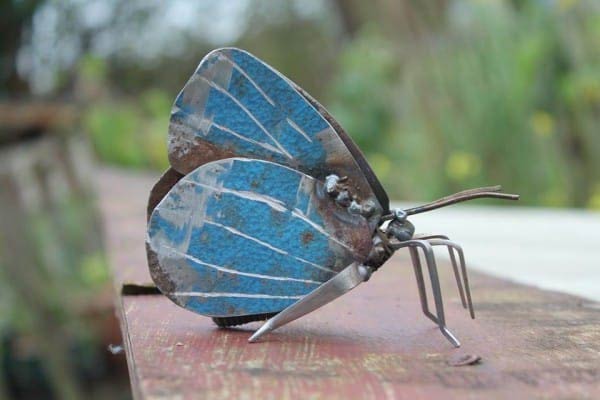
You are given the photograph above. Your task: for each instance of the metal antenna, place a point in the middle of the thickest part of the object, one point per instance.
(465, 195)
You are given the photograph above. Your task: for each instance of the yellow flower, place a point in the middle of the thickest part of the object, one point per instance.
(487, 1)
(542, 123)
(564, 5)
(594, 202)
(381, 164)
(554, 198)
(462, 165)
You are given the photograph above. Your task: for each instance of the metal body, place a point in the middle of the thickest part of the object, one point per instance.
(270, 209)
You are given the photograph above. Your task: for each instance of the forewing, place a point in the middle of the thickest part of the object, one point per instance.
(240, 236)
(237, 106)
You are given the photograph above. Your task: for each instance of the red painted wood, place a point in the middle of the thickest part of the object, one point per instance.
(372, 343)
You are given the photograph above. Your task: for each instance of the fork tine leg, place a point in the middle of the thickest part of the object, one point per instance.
(439, 319)
(416, 262)
(455, 246)
(455, 268)
(437, 292)
(463, 267)
(457, 276)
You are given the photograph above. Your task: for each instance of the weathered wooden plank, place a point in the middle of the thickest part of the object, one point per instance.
(33, 119)
(371, 343)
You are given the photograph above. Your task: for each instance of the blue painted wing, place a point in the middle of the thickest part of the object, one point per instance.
(237, 106)
(240, 236)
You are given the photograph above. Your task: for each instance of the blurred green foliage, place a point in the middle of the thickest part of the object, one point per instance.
(131, 134)
(53, 271)
(498, 92)
(124, 131)
(498, 97)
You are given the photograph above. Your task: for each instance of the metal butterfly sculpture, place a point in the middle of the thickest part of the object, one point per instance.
(269, 209)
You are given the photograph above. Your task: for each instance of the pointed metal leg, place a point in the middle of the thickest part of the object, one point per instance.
(466, 280)
(437, 294)
(463, 267)
(461, 291)
(416, 261)
(435, 285)
(343, 282)
(452, 260)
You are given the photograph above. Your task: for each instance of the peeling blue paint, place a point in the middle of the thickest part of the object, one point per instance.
(238, 227)
(236, 95)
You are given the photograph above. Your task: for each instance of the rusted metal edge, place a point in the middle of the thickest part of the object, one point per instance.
(358, 155)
